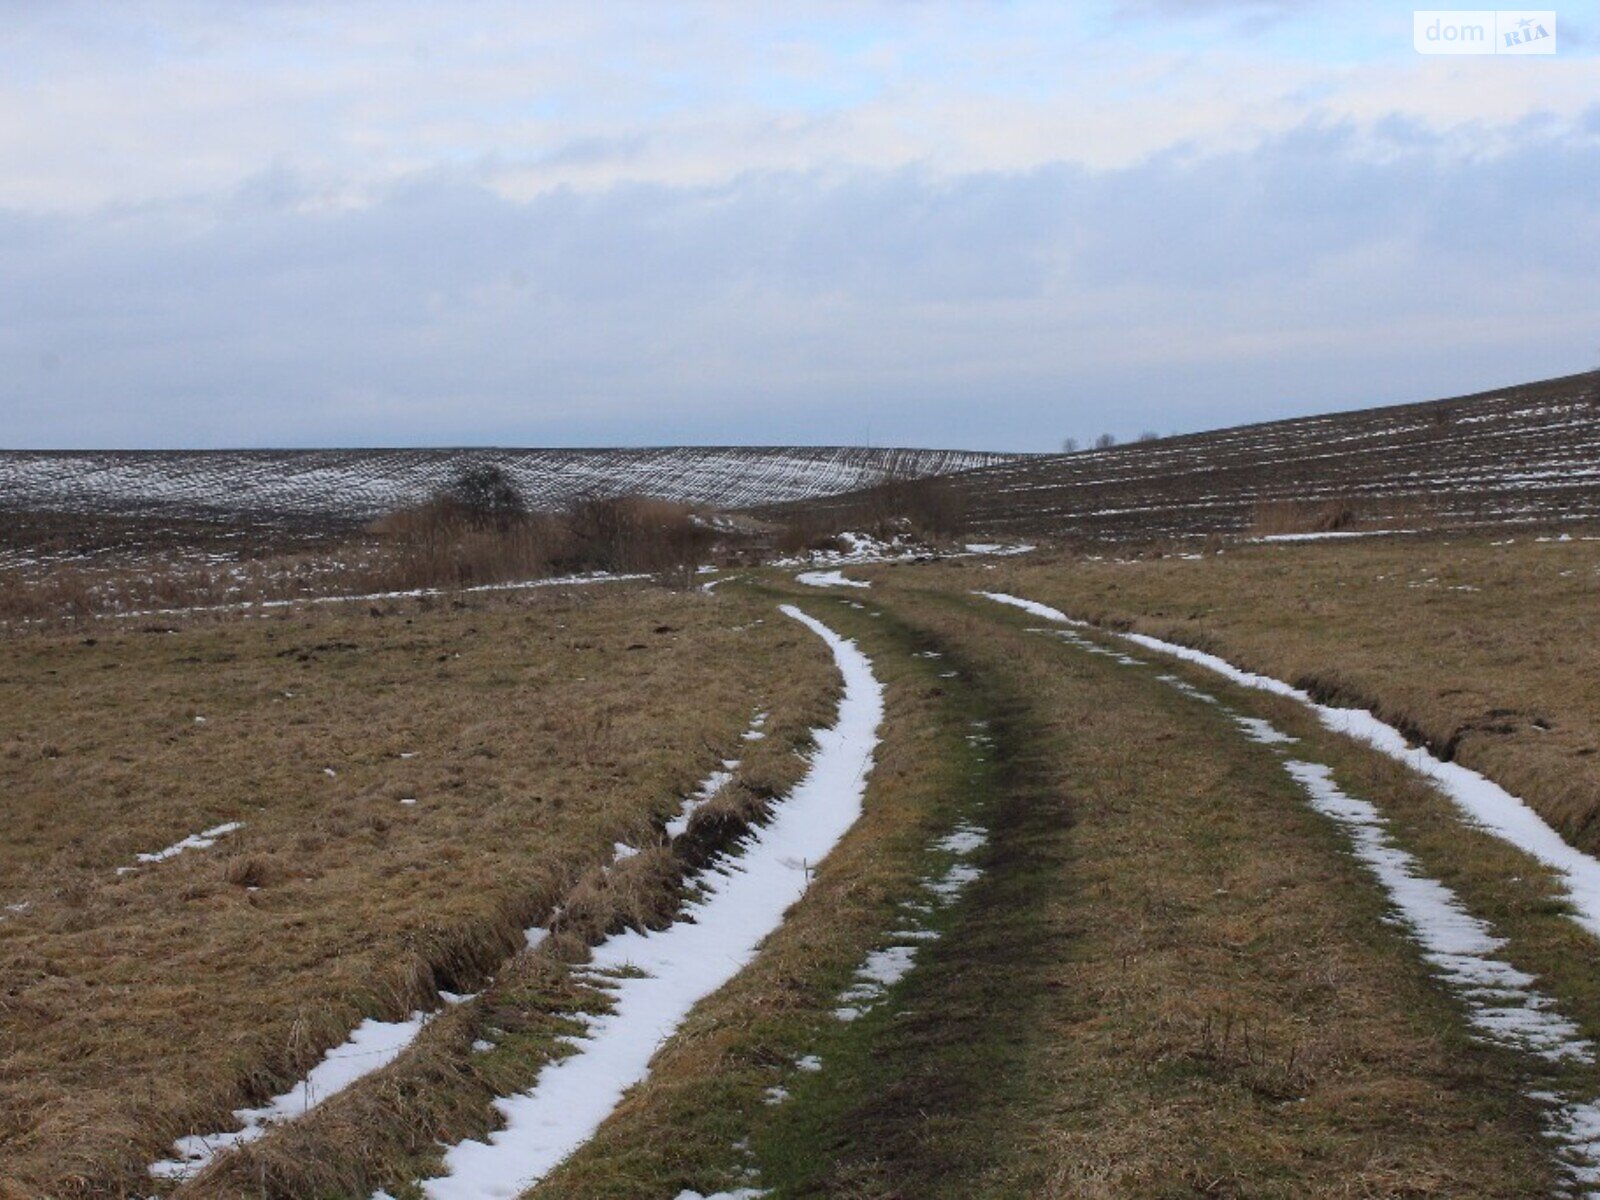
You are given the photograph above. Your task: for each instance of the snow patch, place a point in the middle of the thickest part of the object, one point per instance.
(1261, 731)
(1483, 801)
(1328, 536)
(1500, 999)
(824, 579)
(656, 977)
(372, 1045)
(203, 840)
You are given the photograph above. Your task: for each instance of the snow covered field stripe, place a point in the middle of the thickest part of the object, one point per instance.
(409, 594)
(203, 840)
(741, 901)
(1485, 802)
(374, 1044)
(825, 579)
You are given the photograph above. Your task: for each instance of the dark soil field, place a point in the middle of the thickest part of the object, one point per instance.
(296, 487)
(1525, 454)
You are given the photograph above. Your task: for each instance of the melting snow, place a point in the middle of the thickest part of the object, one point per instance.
(1330, 536)
(709, 787)
(886, 966)
(374, 1044)
(656, 977)
(1501, 1002)
(1484, 801)
(1261, 731)
(1500, 999)
(195, 841)
(824, 579)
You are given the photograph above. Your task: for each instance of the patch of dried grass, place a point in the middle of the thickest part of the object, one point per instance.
(148, 1005)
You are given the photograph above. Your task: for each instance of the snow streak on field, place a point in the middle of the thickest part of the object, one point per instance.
(373, 1045)
(360, 484)
(655, 978)
(1526, 453)
(825, 579)
(1484, 802)
(1502, 1004)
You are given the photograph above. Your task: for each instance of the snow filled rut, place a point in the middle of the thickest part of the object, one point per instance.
(655, 978)
(1484, 802)
(1502, 1004)
(374, 1043)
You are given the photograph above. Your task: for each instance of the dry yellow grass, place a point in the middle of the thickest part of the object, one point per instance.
(1486, 651)
(532, 733)
(1230, 1014)
(388, 1129)
(1171, 982)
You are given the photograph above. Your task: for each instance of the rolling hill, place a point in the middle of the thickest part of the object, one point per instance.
(1529, 453)
(360, 484)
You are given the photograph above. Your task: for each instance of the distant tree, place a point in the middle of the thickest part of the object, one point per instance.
(1149, 435)
(1105, 441)
(1069, 445)
(486, 495)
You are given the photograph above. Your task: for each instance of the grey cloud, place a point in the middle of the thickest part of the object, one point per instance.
(1247, 16)
(993, 310)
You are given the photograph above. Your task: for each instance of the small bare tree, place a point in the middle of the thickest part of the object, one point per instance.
(486, 496)
(1105, 441)
(1069, 445)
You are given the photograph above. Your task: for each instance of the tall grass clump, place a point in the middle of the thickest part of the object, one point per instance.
(637, 534)
(930, 509)
(1301, 516)
(477, 530)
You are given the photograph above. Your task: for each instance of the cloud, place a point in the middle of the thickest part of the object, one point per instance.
(146, 101)
(970, 224)
(1250, 12)
(1328, 266)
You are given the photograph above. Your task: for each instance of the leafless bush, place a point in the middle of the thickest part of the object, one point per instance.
(444, 544)
(1302, 516)
(809, 529)
(636, 533)
(930, 507)
(485, 495)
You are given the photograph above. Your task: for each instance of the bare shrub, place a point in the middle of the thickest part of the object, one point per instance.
(636, 533)
(1302, 516)
(485, 495)
(929, 507)
(809, 529)
(443, 544)
(934, 507)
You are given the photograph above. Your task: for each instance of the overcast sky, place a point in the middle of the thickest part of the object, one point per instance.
(992, 225)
